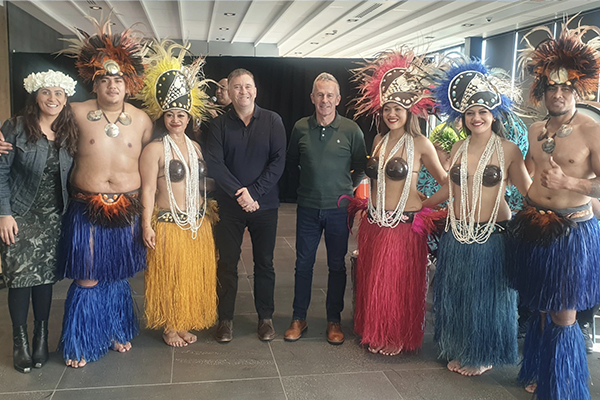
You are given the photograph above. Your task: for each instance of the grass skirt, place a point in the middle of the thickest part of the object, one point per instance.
(97, 252)
(181, 279)
(563, 275)
(475, 310)
(390, 285)
(95, 318)
(564, 371)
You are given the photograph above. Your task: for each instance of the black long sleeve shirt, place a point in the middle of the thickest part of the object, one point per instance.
(250, 156)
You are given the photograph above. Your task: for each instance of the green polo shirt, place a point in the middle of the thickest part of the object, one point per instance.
(325, 155)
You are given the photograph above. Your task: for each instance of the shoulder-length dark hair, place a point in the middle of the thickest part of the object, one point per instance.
(497, 127)
(64, 126)
(411, 125)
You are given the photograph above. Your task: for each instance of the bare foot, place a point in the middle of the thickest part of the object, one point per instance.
(173, 339)
(531, 388)
(375, 349)
(474, 371)
(76, 364)
(390, 350)
(453, 366)
(187, 336)
(120, 347)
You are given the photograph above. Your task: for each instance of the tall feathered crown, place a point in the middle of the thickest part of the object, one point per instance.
(564, 60)
(399, 77)
(169, 85)
(467, 83)
(105, 53)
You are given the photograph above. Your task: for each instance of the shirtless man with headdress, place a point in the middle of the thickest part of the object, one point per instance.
(101, 244)
(557, 250)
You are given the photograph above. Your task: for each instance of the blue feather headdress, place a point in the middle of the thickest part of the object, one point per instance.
(469, 83)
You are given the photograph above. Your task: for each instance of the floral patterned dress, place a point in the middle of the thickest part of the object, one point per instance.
(31, 261)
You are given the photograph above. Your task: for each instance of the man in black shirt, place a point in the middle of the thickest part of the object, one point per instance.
(246, 156)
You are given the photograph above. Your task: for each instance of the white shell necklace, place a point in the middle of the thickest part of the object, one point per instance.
(378, 213)
(468, 230)
(187, 219)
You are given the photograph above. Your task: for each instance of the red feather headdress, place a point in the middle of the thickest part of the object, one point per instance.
(566, 60)
(106, 53)
(394, 76)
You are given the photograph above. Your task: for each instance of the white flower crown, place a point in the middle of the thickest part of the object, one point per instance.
(50, 78)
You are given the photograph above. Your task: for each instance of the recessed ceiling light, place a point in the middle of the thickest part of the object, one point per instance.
(297, 52)
(352, 19)
(429, 37)
(220, 38)
(229, 14)
(333, 32)
(223, 28)
(467, 25)
(96, 7)
(315, 43)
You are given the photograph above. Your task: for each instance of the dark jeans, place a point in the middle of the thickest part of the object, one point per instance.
(229, 232)
(310, 224)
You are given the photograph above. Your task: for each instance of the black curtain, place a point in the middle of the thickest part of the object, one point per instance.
(283, 84)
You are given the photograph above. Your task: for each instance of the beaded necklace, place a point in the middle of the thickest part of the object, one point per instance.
(187, 219)
(377, 212)
(468, 229)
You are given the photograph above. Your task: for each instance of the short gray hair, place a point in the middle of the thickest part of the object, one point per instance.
(326, 77)
(239, 72)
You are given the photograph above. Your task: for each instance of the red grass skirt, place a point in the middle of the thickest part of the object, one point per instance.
(390, 286)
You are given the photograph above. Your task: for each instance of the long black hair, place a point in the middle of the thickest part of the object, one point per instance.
(64, 125)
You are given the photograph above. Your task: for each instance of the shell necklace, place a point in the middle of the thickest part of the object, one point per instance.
(468, 229)
(187, 219)
(377, 212)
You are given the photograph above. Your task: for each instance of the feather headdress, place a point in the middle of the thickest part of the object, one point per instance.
(394, 76)
(105, 53)
(169, 85)
(469, 83)
(564, 60)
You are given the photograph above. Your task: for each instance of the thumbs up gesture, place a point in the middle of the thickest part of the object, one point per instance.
(553, 178)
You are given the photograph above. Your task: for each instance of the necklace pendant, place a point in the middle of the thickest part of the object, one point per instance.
(549, 145)
(94, 115)
(124, 118)
(111, 130)
(564, 131)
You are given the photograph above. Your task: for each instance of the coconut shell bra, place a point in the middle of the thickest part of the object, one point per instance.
(396, 169)
(492, 175)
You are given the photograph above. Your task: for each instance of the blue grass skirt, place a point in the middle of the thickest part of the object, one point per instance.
(95, 318)
(98, 252)
(475, 309)
(562, 275)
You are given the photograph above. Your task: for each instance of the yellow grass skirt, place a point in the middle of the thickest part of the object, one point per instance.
(181, 279)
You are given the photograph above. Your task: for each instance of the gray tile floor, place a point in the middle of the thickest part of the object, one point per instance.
(249, 369)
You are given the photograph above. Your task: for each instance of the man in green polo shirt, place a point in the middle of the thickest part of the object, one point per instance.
(329, 152)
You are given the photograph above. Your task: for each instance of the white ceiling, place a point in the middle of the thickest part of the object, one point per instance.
(338, 29)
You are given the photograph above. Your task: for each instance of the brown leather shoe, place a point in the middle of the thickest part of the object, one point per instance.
(266, 331)
(294, 332)
(224, 331)
(334, 333)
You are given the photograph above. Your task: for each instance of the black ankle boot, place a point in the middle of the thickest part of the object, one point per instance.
(21, 355)
(39, 345)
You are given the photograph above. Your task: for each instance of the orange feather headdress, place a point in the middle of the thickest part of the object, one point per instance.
(564, 60)
(399, 77)
(105, 53)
